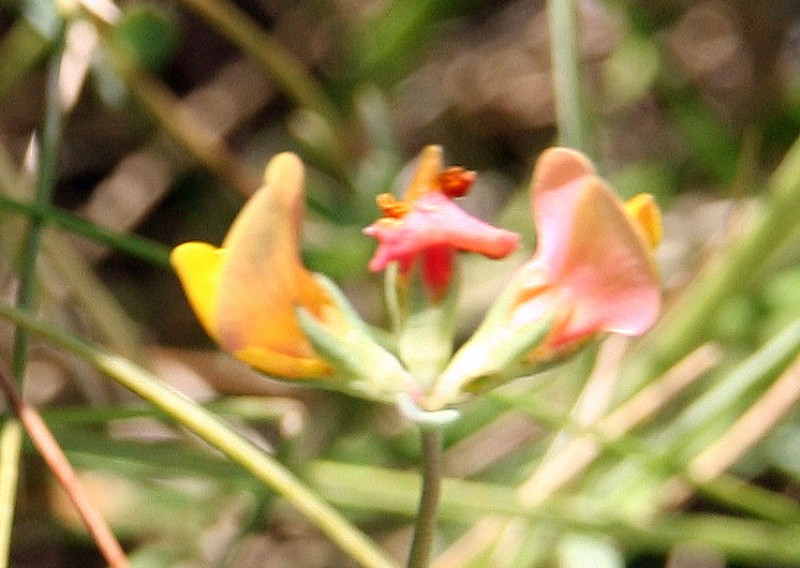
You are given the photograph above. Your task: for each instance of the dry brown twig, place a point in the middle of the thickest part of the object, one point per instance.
(55, 459)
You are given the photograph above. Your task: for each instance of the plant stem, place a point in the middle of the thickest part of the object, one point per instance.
(425, 527)
(216, 433)
(11, 434)
(565, 62)
(10, 450)
(55, 459)
(130, 244)
(49, 146)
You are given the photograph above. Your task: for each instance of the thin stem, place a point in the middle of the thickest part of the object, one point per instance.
(565, 61)
(49, 146)
(751, 427)
(425, 527)
(216, 433)
(583, 448)
(132, 245)
(52, 454)
(10, 450)
(11, 434)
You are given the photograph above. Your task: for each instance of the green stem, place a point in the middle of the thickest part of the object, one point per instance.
(425, 526)
(736, 537)
(216, 433)
(565, 61)
(10, 450)
(132, 245)
(11, 434)
(49, 146)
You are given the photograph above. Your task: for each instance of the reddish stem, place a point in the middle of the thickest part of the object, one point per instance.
(62, 470)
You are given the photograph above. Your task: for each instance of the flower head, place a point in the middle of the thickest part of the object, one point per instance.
(428, 226)
(593, 271)
(245, 293)
(593, 258)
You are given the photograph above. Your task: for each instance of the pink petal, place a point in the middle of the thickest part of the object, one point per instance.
(607, 275)
(554, 190)
(590, 257)
(435, 221)
(608, 268)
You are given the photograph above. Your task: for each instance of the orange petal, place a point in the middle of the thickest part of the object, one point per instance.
(282, 365)
(426, 173)
(245, 292)
(263, 279)
(455, 181)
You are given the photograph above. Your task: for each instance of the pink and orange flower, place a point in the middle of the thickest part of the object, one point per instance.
(593, 272)
(594, 256)
(428, 227)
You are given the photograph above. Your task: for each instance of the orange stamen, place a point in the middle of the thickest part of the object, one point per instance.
(390, 207)
(455, 181)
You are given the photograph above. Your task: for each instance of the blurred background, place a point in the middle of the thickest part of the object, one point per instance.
(172, 109)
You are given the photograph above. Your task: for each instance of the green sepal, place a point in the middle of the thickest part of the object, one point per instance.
(425, 327)
(493, 355)
(363, 367)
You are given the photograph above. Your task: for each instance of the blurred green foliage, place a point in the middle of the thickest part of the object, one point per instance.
(178, 110)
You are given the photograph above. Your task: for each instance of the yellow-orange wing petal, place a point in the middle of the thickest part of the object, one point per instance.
(262, 279)
(643, 210)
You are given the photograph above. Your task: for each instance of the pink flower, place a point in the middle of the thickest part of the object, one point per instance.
(593, 259)
(593, 272)
(428, 226)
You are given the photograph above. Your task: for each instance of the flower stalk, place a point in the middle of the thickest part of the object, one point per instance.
(427, 513)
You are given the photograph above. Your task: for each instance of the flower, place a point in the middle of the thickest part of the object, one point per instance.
(427, 224)
(245, 293)
(594, 257)
(593, 272)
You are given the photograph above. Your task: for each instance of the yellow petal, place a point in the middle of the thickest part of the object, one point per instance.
(643, 210)
(198, 267)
